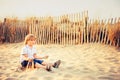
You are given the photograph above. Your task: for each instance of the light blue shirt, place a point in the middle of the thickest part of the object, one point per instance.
(29, 51)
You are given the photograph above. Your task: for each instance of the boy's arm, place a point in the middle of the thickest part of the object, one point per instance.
(38, 57)
(24, 53)
(25, 56)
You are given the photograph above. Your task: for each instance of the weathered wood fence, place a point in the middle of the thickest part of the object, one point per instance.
(13, 30)
(65, 30)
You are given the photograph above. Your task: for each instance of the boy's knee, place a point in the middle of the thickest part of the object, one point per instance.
(24, 63)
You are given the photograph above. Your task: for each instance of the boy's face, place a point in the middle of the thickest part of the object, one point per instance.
(31, 42)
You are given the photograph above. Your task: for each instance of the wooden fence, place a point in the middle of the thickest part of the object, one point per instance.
(67, 29)
(13, 30)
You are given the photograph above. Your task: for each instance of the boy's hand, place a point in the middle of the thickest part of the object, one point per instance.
(45, 57)
(30, 60)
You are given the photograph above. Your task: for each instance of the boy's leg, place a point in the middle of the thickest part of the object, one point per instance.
(37, 65)
(48, 68)
(24, 63)
(46, 63)
(55, 65)
(40, 64)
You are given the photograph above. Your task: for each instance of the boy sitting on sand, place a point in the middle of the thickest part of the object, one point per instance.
(28, 54)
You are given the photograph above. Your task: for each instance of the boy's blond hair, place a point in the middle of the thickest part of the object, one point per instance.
(29, 37)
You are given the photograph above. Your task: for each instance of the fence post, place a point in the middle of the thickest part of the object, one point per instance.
(103, 30)
(87, 27)
(82, 30)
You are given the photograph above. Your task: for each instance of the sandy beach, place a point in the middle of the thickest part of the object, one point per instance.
(91, 61)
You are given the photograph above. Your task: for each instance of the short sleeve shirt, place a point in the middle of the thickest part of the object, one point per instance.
(29, 51)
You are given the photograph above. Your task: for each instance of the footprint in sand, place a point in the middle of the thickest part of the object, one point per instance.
(101, 70)
(68, 76)
(86, 70)
(22, 76)
(75, 70)
(33, 78)
(10, 78)
(48, 78)
(65, 79)
(59, 73)
(1, 74)
(105, 78)
(8, 74)
(115, 75)
(88, 78)
(13, 69)
(15, 62)
(1, 67)
(114, 60)
(118, 70)
(112, 70)
(70, 67)
(14, 75)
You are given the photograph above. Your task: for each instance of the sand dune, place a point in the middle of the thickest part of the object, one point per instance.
(79, 62)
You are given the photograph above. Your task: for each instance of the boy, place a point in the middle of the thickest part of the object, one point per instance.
(28, 54)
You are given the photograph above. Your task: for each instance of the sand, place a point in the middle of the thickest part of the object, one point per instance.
(92, 61)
